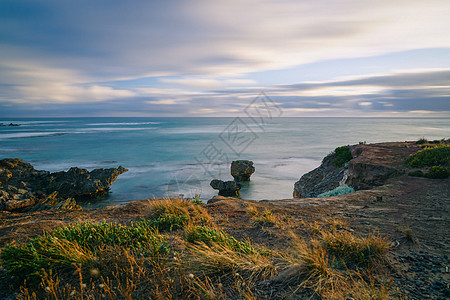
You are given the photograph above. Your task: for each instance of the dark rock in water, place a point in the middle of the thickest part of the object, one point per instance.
(226, 188)
(12, 124)
(24, 188)
(241, 170)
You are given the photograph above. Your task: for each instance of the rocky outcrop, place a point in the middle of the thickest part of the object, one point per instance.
(371, 165)
(241, 170)
(226, 188)
(24, 188)
(324, 178)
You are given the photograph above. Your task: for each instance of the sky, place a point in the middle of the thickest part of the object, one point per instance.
(341, 58)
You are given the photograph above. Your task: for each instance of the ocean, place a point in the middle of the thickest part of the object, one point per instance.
(172, 156)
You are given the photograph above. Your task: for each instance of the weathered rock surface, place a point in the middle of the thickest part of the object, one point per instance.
(372, 165)
(226, 188)
(24, 188)
(241, 170)
(324, 178)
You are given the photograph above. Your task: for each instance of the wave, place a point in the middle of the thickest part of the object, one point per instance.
(29, 135)
(111, 129)
(124, 123)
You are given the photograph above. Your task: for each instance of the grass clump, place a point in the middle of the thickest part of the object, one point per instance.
(340, 190)
(355, 251)
(78, 243)
(266, 218)
(432, 156)
(177, 213)
(210, 236)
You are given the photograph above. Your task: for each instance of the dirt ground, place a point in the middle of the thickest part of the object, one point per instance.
(420, 206)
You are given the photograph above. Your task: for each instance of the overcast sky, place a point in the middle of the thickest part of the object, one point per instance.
(211, 58)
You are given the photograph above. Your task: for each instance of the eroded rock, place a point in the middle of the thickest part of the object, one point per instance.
(24, 188)
(226, 188)
(241, 170)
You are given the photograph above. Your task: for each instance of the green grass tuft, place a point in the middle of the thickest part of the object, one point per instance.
(417, 173)
(211, 236)
(78, 243)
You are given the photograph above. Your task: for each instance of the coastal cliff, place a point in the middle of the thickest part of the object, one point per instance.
(368, 166)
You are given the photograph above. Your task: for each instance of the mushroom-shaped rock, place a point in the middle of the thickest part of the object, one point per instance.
(226, 188)
(241, 170)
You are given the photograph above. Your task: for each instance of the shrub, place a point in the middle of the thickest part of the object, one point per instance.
(78, 243)
(428, 157)
(340, 190)
(422, 141)
(437, 172)
(342, 155)
(417, 173)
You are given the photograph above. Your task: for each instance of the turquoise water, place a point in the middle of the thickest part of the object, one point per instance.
(167, 156)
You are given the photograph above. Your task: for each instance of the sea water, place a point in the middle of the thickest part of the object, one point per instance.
(172, 156)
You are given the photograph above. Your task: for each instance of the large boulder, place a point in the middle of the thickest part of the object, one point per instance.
(226, 188)
(24, 188)
(241, 170)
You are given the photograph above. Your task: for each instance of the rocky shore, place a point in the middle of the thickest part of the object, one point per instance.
(413, 213)
(22, 188)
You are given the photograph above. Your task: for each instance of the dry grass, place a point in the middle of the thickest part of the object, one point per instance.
(204, 262)
(408, 234)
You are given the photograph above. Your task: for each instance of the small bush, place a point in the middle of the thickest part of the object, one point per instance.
(417, 173)
(422, 141)
(342, 156)
(437, 172)
(340, 190)
(428, 157)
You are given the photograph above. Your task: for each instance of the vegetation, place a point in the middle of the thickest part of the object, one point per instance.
(437, 172)
(210, 236)
(438, 155)
(79, 243)
(342, 156)
(416, 173)
(340, 190)
(194, 259)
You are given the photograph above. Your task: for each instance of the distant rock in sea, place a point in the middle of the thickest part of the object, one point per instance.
(241, 170)
(226, 188)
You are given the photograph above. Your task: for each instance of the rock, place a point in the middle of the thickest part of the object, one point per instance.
(25, 186)
(18, 204)
(81, 184)
(12, 124)
(322, 179)
(52, 202)
(226, 188)
(241, 170)
(371, 165)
